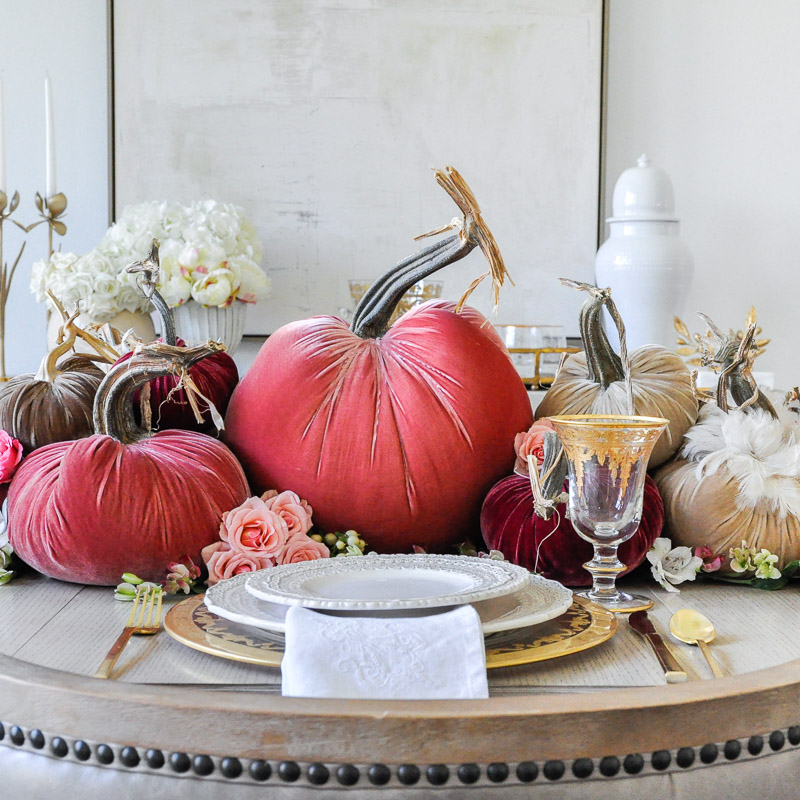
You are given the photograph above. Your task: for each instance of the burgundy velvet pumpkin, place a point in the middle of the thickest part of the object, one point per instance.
(215, 377)
(509, 525)
(86, 511)
(397, 432)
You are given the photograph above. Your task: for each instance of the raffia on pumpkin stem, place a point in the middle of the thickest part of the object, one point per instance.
(113, 405)
(603, 364)
(548, 483)
(372, 315)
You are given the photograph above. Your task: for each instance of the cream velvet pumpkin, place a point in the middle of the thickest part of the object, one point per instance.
(593, 382)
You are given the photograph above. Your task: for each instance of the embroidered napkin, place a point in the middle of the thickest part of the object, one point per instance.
(441, 656)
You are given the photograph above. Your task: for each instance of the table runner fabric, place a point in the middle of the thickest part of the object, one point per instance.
(441, 656)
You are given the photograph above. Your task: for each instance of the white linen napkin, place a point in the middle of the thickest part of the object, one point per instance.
(441, 656)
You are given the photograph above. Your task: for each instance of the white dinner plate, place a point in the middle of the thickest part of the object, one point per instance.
(537, 601)
(386, 582)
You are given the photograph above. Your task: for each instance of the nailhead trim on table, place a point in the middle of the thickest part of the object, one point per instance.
(317, 774)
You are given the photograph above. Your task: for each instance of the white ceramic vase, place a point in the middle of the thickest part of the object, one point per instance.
(644, 262)
(195, 323)
(141, 323)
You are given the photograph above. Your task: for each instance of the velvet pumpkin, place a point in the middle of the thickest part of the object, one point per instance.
(122, 500)
(397, 431)
(508, 524)
(214, 377)
(594, 381)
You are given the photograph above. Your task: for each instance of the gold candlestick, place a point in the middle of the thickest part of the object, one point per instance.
(50, 210)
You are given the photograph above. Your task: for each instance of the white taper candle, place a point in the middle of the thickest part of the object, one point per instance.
(50, 139)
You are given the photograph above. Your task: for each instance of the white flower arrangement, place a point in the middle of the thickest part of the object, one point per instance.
(209, 253)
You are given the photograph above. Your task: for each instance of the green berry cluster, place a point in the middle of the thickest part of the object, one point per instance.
(348, 543)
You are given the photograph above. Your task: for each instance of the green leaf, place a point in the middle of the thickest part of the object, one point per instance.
(768, 584)
(790, 569)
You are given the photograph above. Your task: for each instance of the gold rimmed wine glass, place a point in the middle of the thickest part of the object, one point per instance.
(607, 456)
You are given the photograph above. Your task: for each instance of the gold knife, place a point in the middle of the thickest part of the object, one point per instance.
(673, 671)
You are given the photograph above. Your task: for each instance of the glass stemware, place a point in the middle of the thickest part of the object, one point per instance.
(607, 457)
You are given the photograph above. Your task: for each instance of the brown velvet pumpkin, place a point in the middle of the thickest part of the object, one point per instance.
(593, 382)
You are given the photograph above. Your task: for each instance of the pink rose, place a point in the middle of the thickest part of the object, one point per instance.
(531, 443)
(302, 548)
(711, 562)
(10, 456)
(253, 528)
(223, 562)
(296, 513)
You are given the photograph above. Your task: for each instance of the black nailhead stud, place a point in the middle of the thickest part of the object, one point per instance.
(468, 773)
(794, 734)
(661, 759)
(633, 764)
(582, 767)
(709, 753)
(17, 735)
(497, 772)
(554, 770)
(609, 766)
(527, 771)
(288, 771)
(685, 757)
(81, 750)
(129, 757)
(777, 740)
(259, 770)
(2, 732)
(379, 774)
(408, 774)
(347, 775)
(732, 749)
(437, 774)
(180, 762)
(36, 738)
(202, 765)
(104, 754)
(318, 774)
(230, 767)
(755, 745)
(154, 758)
(58, 747)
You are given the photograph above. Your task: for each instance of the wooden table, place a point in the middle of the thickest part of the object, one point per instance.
(581, 721)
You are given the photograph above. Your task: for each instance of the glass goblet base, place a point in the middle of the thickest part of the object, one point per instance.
(619, 602)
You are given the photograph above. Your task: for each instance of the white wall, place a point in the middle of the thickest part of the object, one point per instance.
(67, 39)
(710, 90)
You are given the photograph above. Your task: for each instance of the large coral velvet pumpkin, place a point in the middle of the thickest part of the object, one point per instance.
(397, 432)
(87, 511)
(593, 382)
(508, 524)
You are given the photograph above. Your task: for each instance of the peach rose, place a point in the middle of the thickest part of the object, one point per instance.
(10, 456)
(223, 562)
(252, 528)
(296, 513)
(531, 443)
(302, 548)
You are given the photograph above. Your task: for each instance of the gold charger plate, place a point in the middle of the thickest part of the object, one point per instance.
(582, 626)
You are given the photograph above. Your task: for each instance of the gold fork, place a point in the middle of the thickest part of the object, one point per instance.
(145, 618)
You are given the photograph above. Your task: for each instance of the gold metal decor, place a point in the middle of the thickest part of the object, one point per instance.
(419, 293)
(582, 626)
(50, 210)
(693, 346)
(537, 380)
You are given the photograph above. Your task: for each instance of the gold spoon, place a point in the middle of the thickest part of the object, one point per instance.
(692, 627)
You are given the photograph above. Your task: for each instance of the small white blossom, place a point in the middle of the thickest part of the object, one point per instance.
(670, 565)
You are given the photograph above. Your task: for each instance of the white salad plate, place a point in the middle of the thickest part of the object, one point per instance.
(537, 601)
(387, 582)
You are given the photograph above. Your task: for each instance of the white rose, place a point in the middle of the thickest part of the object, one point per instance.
(253, 283)
(176, 291)
(214, 289)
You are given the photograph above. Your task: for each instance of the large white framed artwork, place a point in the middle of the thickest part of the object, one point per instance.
(323, 119)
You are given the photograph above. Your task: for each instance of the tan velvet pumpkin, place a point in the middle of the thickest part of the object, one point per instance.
(593, 382)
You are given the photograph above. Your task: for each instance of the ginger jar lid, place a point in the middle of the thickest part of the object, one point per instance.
(643, 192)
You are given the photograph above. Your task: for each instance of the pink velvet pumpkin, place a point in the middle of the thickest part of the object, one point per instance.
(89, 510)
(509, 525)
(215, 377)
(397, 431)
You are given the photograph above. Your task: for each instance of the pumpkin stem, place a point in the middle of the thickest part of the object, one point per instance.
(147, 274)
(372, 315)
(48, 371)
(113, 404)
(734, 361)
